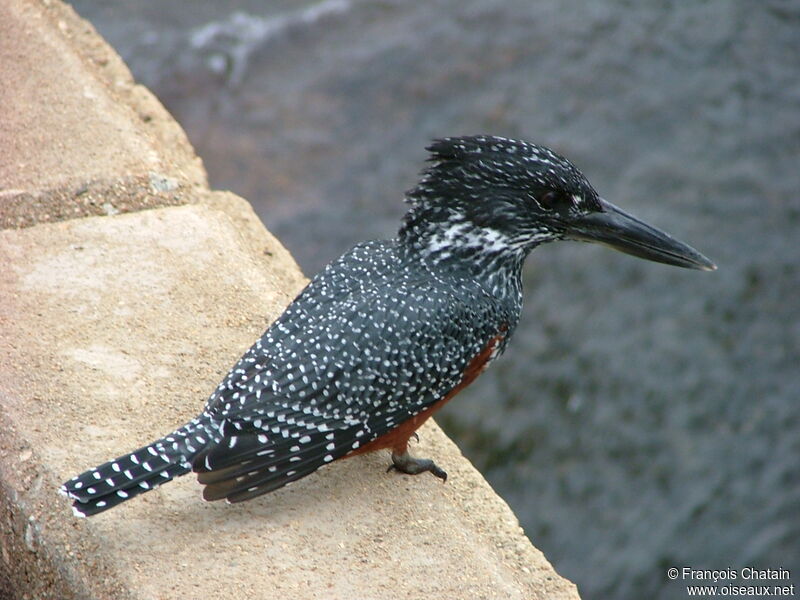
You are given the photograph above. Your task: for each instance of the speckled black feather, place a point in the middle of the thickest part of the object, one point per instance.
(381, 334)
(371, 350)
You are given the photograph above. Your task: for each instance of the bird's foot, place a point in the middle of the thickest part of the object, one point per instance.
(405, 463)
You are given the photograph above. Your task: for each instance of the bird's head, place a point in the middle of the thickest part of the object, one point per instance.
(492, 195)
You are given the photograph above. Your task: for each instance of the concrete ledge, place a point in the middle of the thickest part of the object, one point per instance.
(114, 329)
(79, 136)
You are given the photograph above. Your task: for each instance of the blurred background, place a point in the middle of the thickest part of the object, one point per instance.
(645, 416)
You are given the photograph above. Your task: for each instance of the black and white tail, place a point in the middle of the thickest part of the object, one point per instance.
(142, 470)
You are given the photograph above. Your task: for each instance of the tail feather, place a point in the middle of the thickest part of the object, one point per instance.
(259, 471)
(99, 503)
(125, 477)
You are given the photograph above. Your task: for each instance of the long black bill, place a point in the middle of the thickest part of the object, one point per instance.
(621, 231)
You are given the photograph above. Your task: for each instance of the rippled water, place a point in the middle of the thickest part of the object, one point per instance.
(643, 417)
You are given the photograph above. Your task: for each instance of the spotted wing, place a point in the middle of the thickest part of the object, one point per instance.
(313, 394)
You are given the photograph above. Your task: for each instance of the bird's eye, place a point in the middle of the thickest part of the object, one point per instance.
(553, 200)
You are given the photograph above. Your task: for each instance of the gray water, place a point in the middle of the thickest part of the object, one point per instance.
(644, 416)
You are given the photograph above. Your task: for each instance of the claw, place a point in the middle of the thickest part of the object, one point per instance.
(405, 463)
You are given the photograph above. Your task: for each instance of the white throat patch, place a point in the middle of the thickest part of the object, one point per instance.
(463, 235)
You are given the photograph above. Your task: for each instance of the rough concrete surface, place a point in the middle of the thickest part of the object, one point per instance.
(114, 329)
(78, 136)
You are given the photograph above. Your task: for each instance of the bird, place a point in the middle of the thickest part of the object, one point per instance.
(389, 332)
